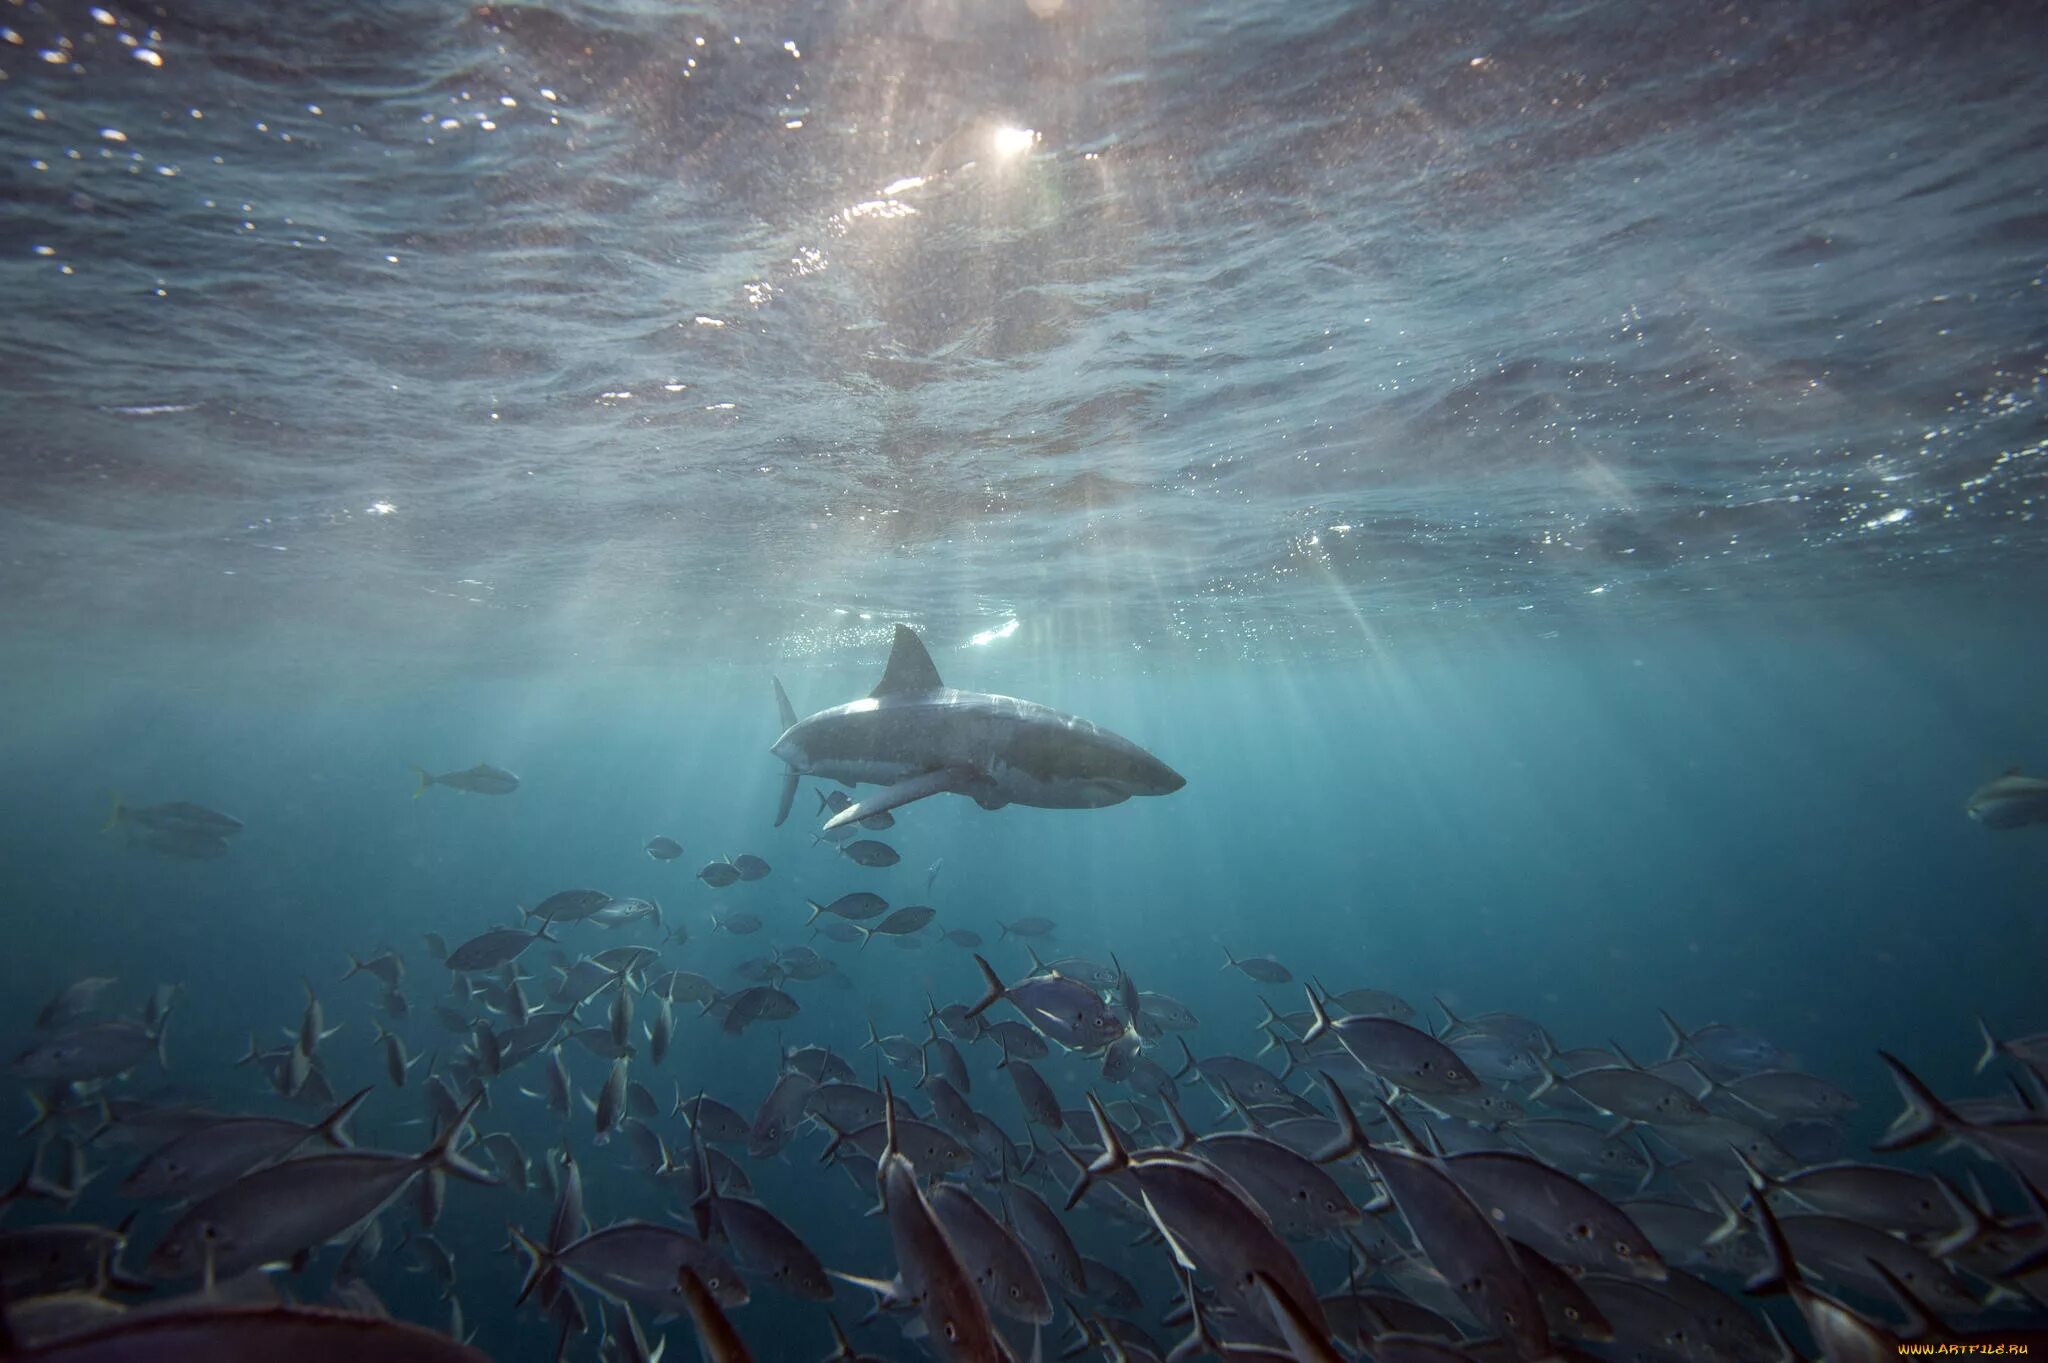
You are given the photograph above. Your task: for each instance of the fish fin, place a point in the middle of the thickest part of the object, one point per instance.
(1971, 1225)
(1228, 959)
(163, 1031)
(1404, 1131)
(426, 779)
(1624, 1056)
(540, 1261)
(1925, 1115)
(113, 815)
(1183, 1134)
(1322, 1023)
(1547, 1082)
(1731, 1218)
(1191, 1066)
(1651, 1166)
(1920, 1322)
(1113, 1157)
(333, 1128)
(910, 671)
(1783, 1273)
(904, 792)
(1985, 1060)
(1679, 1040)
(442, 1154)
(1352, 1141)
(1452, 1022)
(996, 989)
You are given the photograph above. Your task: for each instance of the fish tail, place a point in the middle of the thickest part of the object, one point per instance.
(1322, 1015)
(1228, 959)
(1783, 1272)
(426, 779)
(1112, 1159)
(442, 1154)
(540, 1261)
(1452, 1022)
(113, 815)
(1651, 1166)
(163, 1029)
(1925, 1116)
(333, 1128)
(995, 987)
(866, 935)
(1985, 1060)
(1547, 1082)
(1679, 1040)
(40, 1104)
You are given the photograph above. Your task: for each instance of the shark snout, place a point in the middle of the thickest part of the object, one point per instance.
(1165, 780)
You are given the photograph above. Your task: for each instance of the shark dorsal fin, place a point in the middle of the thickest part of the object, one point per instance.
(910, 671)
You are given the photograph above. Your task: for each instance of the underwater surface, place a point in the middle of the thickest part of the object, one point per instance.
(1546, 504)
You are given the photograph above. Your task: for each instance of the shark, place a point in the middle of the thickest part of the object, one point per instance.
(916, 737)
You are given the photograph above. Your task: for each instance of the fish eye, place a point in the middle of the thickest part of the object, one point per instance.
(1571, 1313)
(1582, 1231)
(1621, 1248)
(952, 1332)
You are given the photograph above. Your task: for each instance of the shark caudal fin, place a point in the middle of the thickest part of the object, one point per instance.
(910, 671)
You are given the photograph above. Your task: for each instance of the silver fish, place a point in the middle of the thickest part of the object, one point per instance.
(779, 1114)
(1264, 969)
(280, 1210)
(767, 1248)
(208, 1158)
(1402, 1055)
(1558, 1215)
(1064, 1010)
(495, 948)
(956, 1321)
(999, 1265)
(1040, 1103)
(635, 1261)
(481, 779)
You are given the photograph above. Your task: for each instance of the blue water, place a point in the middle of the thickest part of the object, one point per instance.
(1564, 483)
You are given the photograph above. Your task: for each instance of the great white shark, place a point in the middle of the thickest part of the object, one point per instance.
(915, 736)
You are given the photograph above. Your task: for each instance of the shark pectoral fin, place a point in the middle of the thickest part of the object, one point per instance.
(903, 792)
(789, 781)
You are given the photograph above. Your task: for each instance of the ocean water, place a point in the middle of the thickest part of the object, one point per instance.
(1566, 485)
